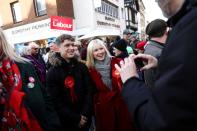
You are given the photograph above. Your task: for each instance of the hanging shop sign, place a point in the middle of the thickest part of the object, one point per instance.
(107, 22)
(61, 23)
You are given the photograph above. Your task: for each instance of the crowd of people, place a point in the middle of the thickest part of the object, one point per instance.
(126, 85)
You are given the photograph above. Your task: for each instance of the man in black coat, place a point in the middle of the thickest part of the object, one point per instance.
(171, 105)
(69, 84)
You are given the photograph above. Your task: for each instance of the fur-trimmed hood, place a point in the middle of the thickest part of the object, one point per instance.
(56, 60)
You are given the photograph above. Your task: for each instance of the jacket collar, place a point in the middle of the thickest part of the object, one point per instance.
(184, 10)
(63, 62)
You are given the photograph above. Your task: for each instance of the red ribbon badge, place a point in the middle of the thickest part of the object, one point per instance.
(69, 83)
(116, 74)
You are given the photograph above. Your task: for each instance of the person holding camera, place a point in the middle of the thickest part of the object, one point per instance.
(171, 104)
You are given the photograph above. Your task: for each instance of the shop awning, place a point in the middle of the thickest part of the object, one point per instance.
(81, 31)
(101, 32)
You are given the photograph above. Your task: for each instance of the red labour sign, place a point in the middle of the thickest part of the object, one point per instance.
(61, 23)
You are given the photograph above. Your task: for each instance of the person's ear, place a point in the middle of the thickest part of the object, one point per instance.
(166, 32)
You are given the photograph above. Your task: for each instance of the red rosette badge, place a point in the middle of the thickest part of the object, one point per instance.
(69, 83)
(116, 74)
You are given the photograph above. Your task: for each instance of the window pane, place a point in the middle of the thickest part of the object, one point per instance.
(103, 9)
(117, 13)
(133, 17)
(122, 13)
(130, 16)
(108, 9)
(16, 12)
(41, 7)
(113, 12)
(126, 13)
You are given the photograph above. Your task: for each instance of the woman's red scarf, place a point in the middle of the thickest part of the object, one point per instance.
(15, 115)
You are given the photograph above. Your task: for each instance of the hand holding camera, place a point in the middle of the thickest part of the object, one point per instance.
(128, 69)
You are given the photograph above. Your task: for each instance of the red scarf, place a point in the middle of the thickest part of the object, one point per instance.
(15, 114)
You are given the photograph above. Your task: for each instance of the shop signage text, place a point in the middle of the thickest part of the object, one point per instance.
(109, 18)
(101, 23)
(107, 21)
(30, 27)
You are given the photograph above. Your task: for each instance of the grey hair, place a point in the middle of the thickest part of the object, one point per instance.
(25, 51)
(33, 44)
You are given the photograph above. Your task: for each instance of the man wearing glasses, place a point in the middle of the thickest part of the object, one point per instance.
(171, 104)
(37, 60)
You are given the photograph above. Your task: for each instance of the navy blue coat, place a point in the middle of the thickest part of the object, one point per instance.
(172, 104)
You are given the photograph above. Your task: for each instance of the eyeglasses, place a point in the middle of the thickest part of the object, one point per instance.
(35, 48)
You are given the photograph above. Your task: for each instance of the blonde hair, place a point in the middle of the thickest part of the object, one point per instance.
(7, 50)
(90, 57)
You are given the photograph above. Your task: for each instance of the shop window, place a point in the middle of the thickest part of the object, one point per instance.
(16, 12)
(40, 6)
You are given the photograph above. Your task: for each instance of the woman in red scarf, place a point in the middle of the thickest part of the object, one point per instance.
(24, 103)
(110, 111)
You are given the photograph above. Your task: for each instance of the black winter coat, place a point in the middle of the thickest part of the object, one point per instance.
(38, 100)
(69, 112)
(172, 104)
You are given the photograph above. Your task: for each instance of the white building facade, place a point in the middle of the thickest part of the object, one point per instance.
(99, 17)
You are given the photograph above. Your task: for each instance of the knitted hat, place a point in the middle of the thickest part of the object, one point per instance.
(156, 28)
(120, 45)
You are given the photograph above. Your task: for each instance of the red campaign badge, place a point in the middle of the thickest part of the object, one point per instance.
(116, 74)
(69, 82)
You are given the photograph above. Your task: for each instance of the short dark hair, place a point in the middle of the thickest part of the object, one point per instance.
(156, 28)
(63, 37)
(126, 32)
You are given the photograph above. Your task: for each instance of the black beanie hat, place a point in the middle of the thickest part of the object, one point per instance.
(156, 28)
(121, 45)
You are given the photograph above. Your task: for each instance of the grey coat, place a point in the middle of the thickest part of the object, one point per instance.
(152, 48)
